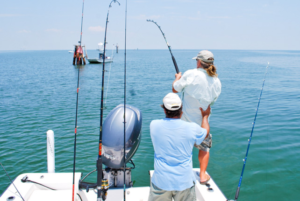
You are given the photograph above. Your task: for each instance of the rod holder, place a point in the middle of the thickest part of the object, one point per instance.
(50, 152)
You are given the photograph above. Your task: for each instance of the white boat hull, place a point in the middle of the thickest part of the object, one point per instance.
(98, 61)
(62, 182)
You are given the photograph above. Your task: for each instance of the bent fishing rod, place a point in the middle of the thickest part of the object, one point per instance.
(249, 140)
(99, 160)
(173, 58)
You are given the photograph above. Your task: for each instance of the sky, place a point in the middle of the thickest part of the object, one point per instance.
(187, 24)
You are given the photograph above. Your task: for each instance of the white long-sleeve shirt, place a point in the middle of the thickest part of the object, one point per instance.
(199, 90)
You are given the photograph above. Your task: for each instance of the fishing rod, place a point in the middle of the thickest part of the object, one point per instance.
(76, 46)
(74, 160)
(81, 22)
(12, 181)
(99, 160)
(173, 58)
(75, 137)
(124, 192)
(249, 140)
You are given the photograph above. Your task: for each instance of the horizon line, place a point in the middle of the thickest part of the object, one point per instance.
(158, 49)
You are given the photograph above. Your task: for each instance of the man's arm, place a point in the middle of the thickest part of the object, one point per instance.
(205, 115)
(177, 77)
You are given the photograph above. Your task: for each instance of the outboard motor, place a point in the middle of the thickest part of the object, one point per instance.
(113, 143)
(113, 147)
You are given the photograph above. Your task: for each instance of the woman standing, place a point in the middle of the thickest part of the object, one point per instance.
(201, 87)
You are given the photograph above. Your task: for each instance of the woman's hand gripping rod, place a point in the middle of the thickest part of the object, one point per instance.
(173, 59)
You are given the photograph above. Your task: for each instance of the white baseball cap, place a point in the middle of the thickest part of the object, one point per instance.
(172, 101)
(205, 56)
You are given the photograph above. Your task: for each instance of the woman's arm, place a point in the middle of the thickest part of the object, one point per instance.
(205, 115)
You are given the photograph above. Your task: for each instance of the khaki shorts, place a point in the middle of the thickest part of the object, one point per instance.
(206, 144)
(157, 194)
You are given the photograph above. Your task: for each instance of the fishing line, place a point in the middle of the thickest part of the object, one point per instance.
(12, 182)
(99, 160)
(124, 192)
(249, 140)
(75, 137)
(173, 58)
(88, 175)
(108, 79)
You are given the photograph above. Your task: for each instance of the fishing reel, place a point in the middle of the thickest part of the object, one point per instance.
(104, 188)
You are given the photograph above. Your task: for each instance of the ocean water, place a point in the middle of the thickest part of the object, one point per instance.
(38, 92)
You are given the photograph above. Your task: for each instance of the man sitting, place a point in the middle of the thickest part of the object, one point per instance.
(173, 141)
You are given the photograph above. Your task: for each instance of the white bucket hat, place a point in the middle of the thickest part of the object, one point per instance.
(172, 101)
(205, 56)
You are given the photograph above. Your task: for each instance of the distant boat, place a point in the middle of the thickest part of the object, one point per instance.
(101, 54)
(100, 60)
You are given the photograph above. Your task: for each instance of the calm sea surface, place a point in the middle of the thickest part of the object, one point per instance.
(38, 92)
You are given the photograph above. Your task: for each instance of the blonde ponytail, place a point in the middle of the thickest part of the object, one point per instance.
(210, 69)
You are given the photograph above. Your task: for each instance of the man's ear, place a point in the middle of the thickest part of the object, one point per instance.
(165, 111)
(198, 64)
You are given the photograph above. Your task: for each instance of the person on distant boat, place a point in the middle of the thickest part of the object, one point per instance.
(173, 140)
(75, 54)
(201, 87)
(79, 55)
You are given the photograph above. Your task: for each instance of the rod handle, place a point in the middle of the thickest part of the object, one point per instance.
(99, 171)
(237, 193)
(99, 177)
(175, 64)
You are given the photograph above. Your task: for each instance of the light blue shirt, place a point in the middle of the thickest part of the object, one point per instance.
(173, 141)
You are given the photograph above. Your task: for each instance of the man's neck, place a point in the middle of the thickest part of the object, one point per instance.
(173, 117)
